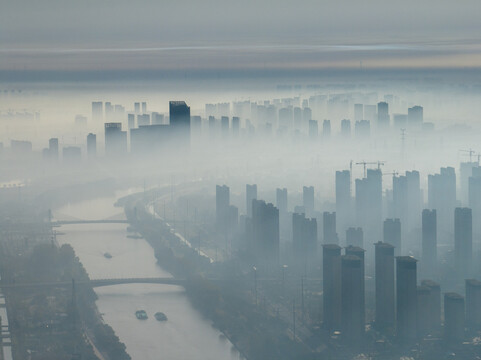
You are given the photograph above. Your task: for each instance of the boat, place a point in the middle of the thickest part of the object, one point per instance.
(141, 315)
(135, 236)
(107, 255)
(160, 316)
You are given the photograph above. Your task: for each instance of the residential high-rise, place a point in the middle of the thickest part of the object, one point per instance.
(392, 234)
(332, 290)
(442, 198)
(346, 127)
(326, 129)
(454, 321)
(463, 242)
(423, 310)
(53, 148)
(358, 112)
(384, 273)
(251, 194)
(313, 129)
(343, 200)
(369, 204)
(473, 303)
(222, 201)
(407, 206)
(359, 252)
(91, 145)
(434, 304)
(352, 300)
(308, 199)
(115, 140)
(415, 116)
(265, 225)
(383, 119)
(329, 228)
(429, 242)
(406, 295)
(179, 114)
(304, 241)
(281, 200)
(97, 111)
(354, 237)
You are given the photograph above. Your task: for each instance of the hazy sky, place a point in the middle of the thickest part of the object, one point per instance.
(54, 25)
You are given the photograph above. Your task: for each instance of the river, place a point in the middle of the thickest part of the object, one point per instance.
(186, 334)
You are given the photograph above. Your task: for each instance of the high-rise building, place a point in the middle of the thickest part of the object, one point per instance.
(313, 129)
(343, 200)
(473, 303)
(53, 148)
(369, 204)
(235, 126)
(453, 317)
(326, 128)
(434, 304)
(308, 199)
(144, 107)
(130, 121)
(352, 300)
(115, 140)
(474, 199)
(463, 242)
(265, 225)
(251, 194)
(442, 198)
(362, 129)
(179, 114)
(329, 228)
(423, 310)
(358, 112)
(354, 237)
(383, 115)
(97, 111)
(384, 273)
(392, 234)
(91, 146)
(429, 242)
(406, 295)
(407, 206)
(304, 241)
(222, 201)
(281, 200)
(415, 116)
(332, 291)
(137, 107)
(224, 126)
(346, 128)
(359, 252)
(465, 172)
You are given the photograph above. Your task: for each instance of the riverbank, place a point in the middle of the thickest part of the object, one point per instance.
(226, 301)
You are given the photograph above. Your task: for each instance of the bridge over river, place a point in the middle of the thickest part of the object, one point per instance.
(99, 282)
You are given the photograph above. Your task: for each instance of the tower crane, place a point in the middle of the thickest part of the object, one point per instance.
(365, 163)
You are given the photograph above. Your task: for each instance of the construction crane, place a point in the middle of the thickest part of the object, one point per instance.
(365, 163)
(394, 173)
(471, 152)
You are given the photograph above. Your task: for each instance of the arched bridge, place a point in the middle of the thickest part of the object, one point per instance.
(100, 282)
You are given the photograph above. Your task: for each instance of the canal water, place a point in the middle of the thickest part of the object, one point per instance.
(186, 335)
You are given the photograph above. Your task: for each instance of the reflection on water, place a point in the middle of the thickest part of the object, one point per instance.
(186, 334)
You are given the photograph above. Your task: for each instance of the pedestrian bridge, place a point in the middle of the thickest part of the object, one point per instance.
(99, 282)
